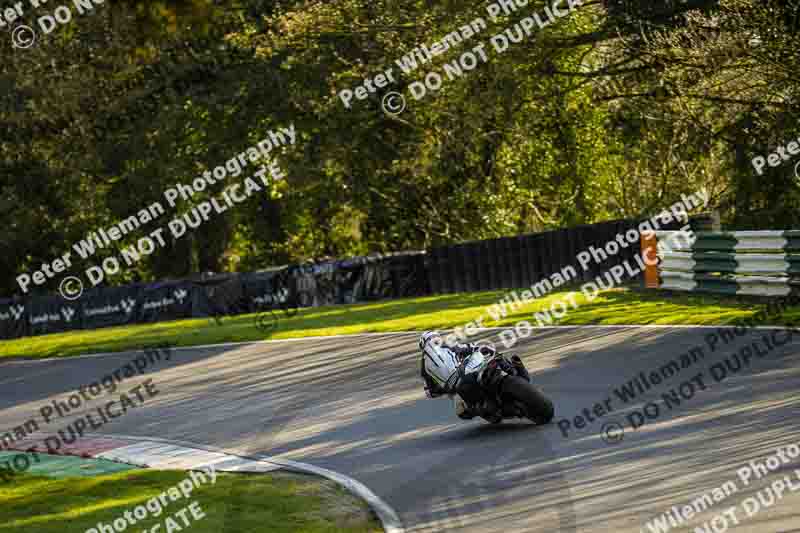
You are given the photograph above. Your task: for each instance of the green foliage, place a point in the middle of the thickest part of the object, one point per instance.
(612, 112)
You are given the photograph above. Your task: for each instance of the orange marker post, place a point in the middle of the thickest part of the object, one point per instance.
(649, 252)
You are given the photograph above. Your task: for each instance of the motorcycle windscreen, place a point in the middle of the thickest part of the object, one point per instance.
(474, 363)
(440, 363)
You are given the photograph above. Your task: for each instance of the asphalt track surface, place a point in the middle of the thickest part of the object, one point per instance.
(355, 405)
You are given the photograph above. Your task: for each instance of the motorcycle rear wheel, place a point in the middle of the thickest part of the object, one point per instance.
(537, 407)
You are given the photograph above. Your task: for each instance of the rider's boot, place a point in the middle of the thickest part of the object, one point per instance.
(462, 409)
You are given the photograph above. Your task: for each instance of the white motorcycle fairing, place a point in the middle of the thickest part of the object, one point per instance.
(441, 363)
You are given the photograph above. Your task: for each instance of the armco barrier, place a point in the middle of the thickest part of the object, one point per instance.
(760, 263)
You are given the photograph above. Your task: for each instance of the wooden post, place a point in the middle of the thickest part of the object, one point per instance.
(650, 251)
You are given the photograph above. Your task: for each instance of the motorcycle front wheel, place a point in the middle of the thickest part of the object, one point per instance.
(538, 408)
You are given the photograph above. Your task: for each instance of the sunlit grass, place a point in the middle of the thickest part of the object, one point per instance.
(235, 503)
(616, 306)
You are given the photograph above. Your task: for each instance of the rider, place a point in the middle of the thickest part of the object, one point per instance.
(439, 368)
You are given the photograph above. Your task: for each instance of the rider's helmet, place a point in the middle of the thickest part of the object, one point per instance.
(440, 361)
(430, 336)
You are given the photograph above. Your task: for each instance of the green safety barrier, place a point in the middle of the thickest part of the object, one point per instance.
(762, 263)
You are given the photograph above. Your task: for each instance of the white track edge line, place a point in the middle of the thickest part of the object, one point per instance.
(389, 519)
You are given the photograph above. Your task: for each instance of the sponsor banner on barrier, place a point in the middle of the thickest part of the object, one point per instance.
(334, 282)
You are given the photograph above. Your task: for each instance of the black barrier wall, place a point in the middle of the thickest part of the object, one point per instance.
(520, 261)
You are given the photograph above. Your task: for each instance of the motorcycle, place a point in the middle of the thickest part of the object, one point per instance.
(494, 388)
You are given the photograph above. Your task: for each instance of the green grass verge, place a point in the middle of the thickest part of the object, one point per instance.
(616, 306)
(236, 503)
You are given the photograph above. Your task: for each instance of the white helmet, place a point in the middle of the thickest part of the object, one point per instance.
(430, 336)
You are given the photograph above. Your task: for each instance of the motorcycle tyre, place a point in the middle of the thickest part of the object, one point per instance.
(538, 408)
